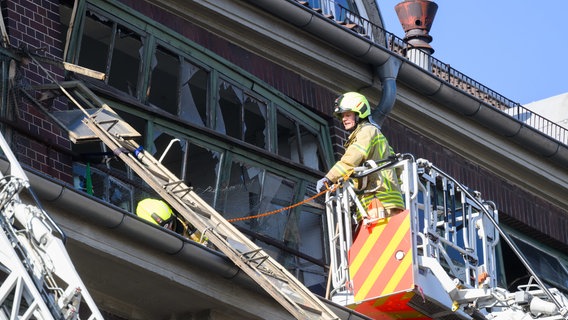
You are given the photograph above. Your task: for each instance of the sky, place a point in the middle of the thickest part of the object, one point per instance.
(517, 48)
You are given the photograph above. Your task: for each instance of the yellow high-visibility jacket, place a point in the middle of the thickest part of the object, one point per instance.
(367, 142)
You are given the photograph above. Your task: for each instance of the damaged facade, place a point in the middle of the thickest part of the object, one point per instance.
(236, 100)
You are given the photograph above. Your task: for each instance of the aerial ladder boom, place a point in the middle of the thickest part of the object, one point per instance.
(93, 119)
(39, 280)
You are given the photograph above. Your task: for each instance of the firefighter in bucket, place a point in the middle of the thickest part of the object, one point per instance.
(380, 190)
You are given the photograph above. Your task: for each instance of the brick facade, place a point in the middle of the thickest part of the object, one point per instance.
(34, 27)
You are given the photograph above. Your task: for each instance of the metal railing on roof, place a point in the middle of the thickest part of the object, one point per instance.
(335, 10)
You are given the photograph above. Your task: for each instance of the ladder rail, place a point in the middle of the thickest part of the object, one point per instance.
(218, 230)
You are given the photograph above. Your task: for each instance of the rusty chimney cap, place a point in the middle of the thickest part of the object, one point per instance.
(416, 14)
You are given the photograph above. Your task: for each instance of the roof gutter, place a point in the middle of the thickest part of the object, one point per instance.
(415, 77)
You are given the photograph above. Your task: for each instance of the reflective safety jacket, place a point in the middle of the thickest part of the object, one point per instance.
(367, 142)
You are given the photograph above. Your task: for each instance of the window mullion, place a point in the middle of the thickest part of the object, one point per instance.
(300, 146)
(212, 99)
(149, 43)
(110, 51)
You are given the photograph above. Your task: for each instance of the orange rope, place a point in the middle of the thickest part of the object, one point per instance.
(285, 208)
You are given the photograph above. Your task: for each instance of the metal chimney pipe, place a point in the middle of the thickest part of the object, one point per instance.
(416, 17)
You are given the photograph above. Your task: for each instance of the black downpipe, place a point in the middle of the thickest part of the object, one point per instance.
(387, 74)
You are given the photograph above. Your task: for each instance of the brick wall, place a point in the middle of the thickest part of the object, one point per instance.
(34, 27)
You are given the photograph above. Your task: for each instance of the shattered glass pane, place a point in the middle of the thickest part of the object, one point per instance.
(287, 137)
(240, 194)
(255, 122)
(251, 191)
(125, 63)
(311, 149)
(277, 193)
(120, 194)
(171, 151)
(95, 42)
(202, 170)
(230, 107)
(193, 95)
(164, 84)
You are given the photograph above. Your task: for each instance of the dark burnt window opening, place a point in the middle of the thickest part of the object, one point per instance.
(241, 115)
(194, 83)
(170, 151)
(547, 265)
(202, 171)
(112, 48)
(178, 86)
(164, 84)
(298, 143)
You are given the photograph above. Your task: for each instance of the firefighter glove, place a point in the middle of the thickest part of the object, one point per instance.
(322, 184)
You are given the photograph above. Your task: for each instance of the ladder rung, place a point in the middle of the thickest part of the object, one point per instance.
(113, 122)
(252, 256)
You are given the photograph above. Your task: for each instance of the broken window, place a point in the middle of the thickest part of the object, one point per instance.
(255, 122)
(193, 93)
(112, 48)
(100, 184)
(276, 193)
(297, 143)
(287, 133)
(170, 151)
(96, 41)
(125, 60)
(239, 193)
(310, 149)
(163, 88)
(229, 119)
(178, 86)
(249, 190)
(202, 170)
(241, 116)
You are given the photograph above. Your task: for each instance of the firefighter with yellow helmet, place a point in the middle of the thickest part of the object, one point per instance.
(157, 212)
(365, 142)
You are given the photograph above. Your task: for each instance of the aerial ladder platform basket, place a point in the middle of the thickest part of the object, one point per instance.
(434, 260)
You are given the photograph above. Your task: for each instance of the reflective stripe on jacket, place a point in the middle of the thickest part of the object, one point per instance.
(368, 143)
